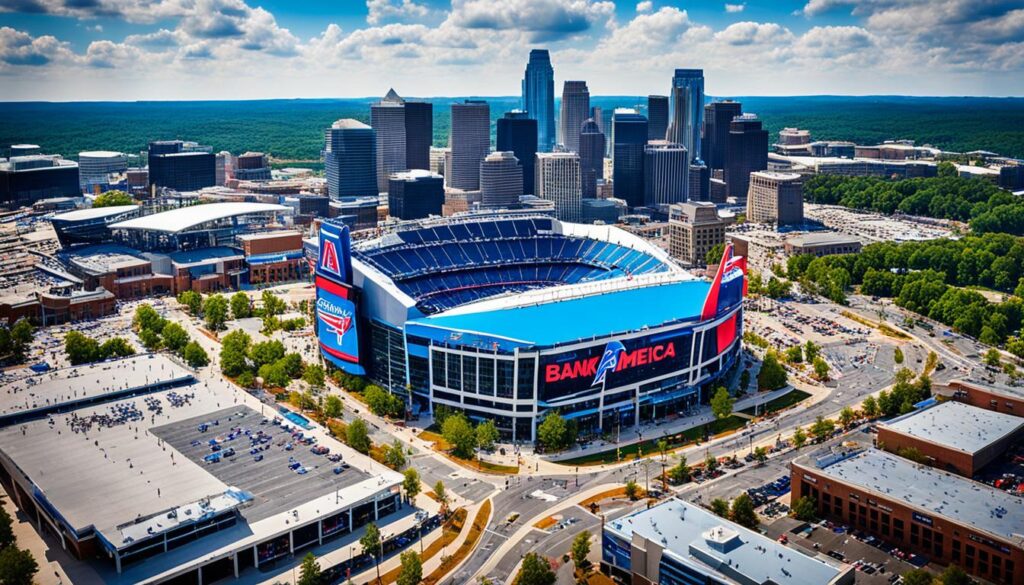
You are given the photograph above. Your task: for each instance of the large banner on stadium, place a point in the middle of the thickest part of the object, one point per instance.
(336, 324)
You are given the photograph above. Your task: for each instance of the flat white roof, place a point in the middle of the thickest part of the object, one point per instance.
(183, 218)
(94, 212)
(956, 425)
(101, 154)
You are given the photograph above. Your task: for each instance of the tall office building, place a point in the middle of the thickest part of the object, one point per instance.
(666, 173)
(387, 117)
(629, 137)
(419, 134)
(182, 166)
(592, 149)
(717, 118)
(657, 117)
(775, 198)
(558, 181)
(470, 141)
(415, 194)
(694, 228)
(575, 109)
(96, 166)
(700, 182)
(598, 115)
(517, 133)
(27, 179)
(746, 152)
(437, 159)
(539, 97)
(687, 109)
(501, 180)
(350, 159)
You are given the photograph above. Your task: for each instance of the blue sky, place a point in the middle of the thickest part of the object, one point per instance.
(247, 49)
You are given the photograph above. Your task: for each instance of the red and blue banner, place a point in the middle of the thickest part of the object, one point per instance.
(336, 325)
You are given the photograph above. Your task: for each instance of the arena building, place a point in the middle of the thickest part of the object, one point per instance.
(507, 316)
(197, 226)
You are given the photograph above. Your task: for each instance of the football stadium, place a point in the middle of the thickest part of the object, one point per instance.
(507, 316)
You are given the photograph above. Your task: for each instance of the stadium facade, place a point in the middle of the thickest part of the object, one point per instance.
(508, 316)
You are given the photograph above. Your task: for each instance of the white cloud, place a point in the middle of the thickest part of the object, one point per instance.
(754, 33)
(386, 11)
(18, 48)
(645, 6)
(734, 8)
(544, 20)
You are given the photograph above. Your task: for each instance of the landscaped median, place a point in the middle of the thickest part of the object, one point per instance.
(450, 531)
(449, 563)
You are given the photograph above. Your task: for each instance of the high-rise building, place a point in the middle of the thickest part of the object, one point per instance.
(687, 109)
(470, 141)
(387, 117)
(598, 115)
(27, 179)
(501, 180)
(252, 166)
(666, 173)
(350, 159)
(437, 158)
(182, 166)
(539, 97)
(746, 152)
(415, 194)
(558, 181)
(629, 136)
(224, 167)
(700, 182)
(592, 149)
(717, 117)
(575, 109)
(419, 134)
(517, 133)
(775, 198)
(657, 117)
(96, 166)
(694, 228)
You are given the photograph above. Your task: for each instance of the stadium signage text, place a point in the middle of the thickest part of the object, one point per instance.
(615, 358)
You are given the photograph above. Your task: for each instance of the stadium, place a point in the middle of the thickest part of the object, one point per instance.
(507, 316)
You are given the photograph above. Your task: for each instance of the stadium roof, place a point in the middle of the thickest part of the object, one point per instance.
(929, 490)
(183, 218)
(94, 213)
(585, 317)
(959, 426)
(697, 537)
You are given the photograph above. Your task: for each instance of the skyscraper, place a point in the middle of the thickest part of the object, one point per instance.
(350, 159)
(539, 97)
(666, 173)
(629, 135)
(415, 194)
(688, 113)
(387, 117)
(775, 198)
(592, 149)
(419, 134)
(746, 152)
(470, 141)
(517, 133)
(181, 166)
(657, 117)
(717, 117)
(501, 180)
(558, 181)
(575, 109)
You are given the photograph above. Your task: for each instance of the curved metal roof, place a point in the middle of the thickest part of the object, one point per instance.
(93, 212)
(183, 218)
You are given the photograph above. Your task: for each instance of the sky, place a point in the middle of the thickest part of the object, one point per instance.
(126, 50)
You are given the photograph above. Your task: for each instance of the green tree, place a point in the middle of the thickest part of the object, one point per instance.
(146, 317)
(412, 569)
(21, 334)
(333, 406)
(552, 431)
(174, 337)
(411, 484)
(720, 507)
(804, 509)
(241, 307)
(17, 566)
(309, 571)
(234, 350)
(912, 454)
(314, 375)
(394, 455)
(459, 433)
(535, 570)
(918, 577)
(714, 255)
(820, 368)
(721, 403)
(811, 350)
(150, 339)
(680, 472)
(80, 348)
(112, 198)
(291, 363)
(272, 304)
(486, 435)
(761, 454)
(869, 407)
(993, 357)
(194, 355)
(799, 437)
(795, 354)
(710, 464)
(116, 347)
(215, 312)
(632, 490)
(371, 544)
(897, 356)
(442, 496)
(822, 428)
(743, 512)
(946, 169)
(772, 375)
(954, 575)
(266, 352)
(192, 301)
(357, 436)
(6, 529)
(274, 375)
(846, 417)
(580, 549)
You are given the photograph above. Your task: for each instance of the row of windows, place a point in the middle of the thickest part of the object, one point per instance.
(483, 375)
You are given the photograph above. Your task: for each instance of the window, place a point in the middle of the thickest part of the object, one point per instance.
(454, 372)
(506, 370)
(486, 379)
(526, 375)
(468, 373)
(437, 364)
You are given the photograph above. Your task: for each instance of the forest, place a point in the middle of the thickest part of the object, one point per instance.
(293, 129)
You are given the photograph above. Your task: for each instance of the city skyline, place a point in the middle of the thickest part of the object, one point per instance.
(228, 49)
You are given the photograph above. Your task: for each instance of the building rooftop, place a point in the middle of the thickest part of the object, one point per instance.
(822, 239)
(204, 255)
(349, 124)
(413, 174)
(929, 490)
(956, 425)
(93, 213)
(183, 218)
(778, 176)
(696, 536)
(267, 235)
(101, 154)
(104, 258)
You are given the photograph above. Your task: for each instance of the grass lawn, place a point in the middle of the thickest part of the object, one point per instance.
(785, 401)
(650, 446)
